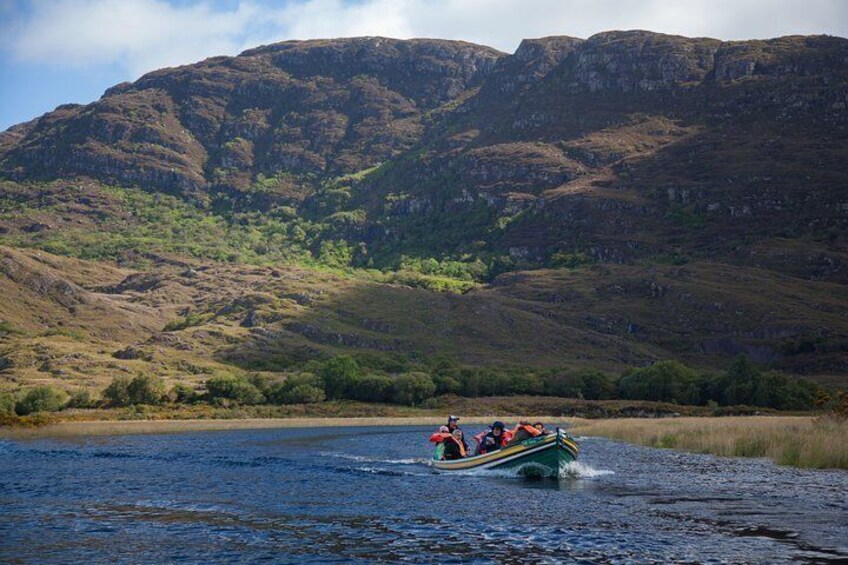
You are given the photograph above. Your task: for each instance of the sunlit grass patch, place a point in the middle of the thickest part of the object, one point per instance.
(800, 441)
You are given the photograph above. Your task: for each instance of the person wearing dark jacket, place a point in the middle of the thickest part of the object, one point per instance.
(454, 446)
(494, 440)
(453, 425)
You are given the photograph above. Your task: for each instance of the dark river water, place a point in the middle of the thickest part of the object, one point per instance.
(366, 495)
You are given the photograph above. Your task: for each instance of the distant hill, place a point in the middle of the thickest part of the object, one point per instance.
(595, 203)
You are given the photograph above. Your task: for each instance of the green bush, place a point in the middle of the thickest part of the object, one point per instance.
(41, 399)
(237, 389)
(81, 399)
(591, 385)
(146, 389)
(7, 403)
(189, 321)
(302, 394)
(371, 388)
(446, 384)
(183, 394)
(743, 383)
(413, 388)
(298, 389)
(339, 374)
(117, 393)
(664, 381)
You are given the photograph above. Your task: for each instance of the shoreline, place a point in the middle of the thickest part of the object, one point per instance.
(87, 428)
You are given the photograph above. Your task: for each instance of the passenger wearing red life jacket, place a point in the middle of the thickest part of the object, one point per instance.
(452, 444)
(441, 435)
(524, 431)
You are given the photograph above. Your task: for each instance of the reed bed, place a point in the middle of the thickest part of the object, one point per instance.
(799, 441)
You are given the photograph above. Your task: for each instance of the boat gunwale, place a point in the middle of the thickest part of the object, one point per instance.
(495, 458)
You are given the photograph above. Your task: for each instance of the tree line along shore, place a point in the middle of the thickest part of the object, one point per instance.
(343, 378)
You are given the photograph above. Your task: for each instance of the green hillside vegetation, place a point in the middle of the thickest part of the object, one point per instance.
(615, 219)
(343, 378)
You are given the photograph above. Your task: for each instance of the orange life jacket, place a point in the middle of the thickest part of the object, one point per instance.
(439, 437)
(461, 447)
(527, 428)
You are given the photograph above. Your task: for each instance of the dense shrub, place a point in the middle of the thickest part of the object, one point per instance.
(81, 399)
(7, 403)
(143, 389)
(591, 385)
(446, 384)
(146, 389)
(338, 374)
(302, 394)
(664, 381)
(237, 389)
(371, 388)
(743, 383)
(302, 388)
(117, 393)
(189, 321)
(183, 394)
(41, 399)
(413, 388)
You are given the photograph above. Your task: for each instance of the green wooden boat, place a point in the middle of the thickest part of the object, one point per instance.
(541, 456)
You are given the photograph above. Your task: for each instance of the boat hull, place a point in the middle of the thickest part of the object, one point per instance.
(541, 456)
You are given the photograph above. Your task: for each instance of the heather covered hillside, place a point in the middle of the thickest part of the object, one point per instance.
(437, 207)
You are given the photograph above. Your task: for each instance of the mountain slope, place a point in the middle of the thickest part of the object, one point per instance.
(593, 203)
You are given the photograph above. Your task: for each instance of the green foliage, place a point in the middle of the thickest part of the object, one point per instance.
(117, 393)
(188, 321)
(474, 270)
(591, 385)
(41, 399)
(233, 388)
(338, 374)
(336, 254)
(413, 388)
(302, 388)
(371, 388)
(81, 399)
(146, 389)
(428, 282)
(8, 328)
(743, 383)
(7, 404)
(569, 260)
(183, 394)
(664, 381)
(143, 389)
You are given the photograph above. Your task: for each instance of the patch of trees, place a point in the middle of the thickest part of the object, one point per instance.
(346, 378)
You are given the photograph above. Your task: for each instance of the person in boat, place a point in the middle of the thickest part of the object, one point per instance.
(525, 431)
(455, 446)
(541, 427)
(496, 438)
(453, 425)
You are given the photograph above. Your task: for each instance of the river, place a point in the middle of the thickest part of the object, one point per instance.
(367, 495)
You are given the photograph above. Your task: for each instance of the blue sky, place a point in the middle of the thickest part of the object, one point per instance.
(59, 51)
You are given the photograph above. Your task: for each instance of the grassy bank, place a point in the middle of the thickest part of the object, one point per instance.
(799, 441)
(488, 407)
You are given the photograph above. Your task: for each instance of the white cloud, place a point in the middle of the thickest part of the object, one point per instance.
(141, 35)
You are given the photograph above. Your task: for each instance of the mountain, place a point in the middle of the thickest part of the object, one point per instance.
(597, 203)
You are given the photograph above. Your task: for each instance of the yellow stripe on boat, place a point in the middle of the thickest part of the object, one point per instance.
(478, 460)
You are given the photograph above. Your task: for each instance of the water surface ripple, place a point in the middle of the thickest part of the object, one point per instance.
(367, 495)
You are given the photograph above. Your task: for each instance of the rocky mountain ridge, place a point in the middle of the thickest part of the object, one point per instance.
(610, 190)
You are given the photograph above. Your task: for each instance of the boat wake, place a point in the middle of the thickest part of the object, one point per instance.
(578, 470)
(365, 459)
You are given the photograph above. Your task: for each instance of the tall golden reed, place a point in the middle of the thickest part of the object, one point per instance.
(800, 441)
